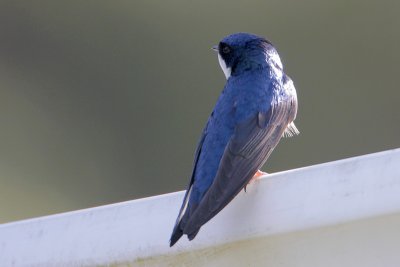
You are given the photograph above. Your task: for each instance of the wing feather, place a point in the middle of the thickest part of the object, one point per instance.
(252, 143)
(178, 228)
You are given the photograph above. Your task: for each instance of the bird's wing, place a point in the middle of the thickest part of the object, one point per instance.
(178, 231)
(248, 149)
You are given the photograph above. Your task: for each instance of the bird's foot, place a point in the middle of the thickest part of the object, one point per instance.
(256, 176)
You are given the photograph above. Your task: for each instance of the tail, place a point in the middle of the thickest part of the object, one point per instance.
(177, 233)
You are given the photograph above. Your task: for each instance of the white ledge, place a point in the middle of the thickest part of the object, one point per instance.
(306, 198)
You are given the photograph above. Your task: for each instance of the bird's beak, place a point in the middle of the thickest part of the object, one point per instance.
(215, 48)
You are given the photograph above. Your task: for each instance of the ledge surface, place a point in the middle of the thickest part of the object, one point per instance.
(306, 198)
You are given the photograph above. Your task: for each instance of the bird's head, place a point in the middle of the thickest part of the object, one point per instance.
(241, 52)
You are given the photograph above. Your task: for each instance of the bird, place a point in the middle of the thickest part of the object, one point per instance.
(256, 107)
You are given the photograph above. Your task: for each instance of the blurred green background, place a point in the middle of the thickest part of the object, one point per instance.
(104, 101)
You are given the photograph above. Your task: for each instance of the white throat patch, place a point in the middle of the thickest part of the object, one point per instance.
(227, 71)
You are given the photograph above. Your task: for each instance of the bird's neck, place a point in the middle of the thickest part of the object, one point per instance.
(268, 61)
(248, 65)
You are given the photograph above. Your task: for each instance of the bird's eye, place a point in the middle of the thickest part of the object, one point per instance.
(226, 50)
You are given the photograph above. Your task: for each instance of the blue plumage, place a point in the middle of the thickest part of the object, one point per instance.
(256, 107)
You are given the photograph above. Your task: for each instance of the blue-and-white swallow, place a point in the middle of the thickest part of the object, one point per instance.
(255, 109)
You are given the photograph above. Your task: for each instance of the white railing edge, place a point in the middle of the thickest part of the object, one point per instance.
(313, 196)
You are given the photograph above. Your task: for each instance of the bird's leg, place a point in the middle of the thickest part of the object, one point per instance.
(257, 175)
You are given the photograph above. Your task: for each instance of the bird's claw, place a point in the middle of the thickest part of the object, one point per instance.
(256, 176)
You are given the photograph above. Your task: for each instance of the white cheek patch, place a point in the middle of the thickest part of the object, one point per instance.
(227, 71)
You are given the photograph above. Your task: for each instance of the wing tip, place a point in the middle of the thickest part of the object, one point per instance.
(176, 235)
